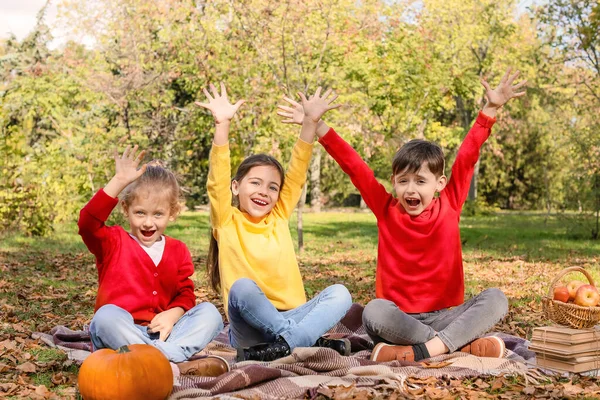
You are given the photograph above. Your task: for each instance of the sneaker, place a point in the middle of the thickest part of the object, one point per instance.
(342, 346)
(387, 352)
(264, 351)
(489, 346)
(204, 366)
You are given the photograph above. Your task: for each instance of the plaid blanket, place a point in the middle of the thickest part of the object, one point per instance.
(309, 371)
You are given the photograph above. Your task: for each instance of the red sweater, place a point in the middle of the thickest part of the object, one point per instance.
(127, 275)
(419, 259)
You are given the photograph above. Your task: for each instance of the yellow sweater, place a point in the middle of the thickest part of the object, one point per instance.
(261, 251)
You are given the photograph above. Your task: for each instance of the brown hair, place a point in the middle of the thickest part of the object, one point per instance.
(156, 178)
(212, 263)
(411, 157)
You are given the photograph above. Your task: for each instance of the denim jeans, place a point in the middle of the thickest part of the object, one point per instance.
(113, 327)
(455, 326)
(254, 319)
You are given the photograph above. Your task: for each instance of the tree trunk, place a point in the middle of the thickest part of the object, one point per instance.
(299, 224)
(466, 116)
(315, 180)
(473, 187)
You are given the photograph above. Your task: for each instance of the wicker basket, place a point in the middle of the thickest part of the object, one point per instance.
(569, 314)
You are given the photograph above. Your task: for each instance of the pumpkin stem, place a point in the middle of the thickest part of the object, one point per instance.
(123, 349)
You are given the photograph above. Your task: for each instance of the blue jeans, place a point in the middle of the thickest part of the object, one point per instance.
(113, 327)
(254, 319)
(455, 326)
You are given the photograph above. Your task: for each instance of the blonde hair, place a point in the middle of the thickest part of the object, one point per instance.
(155, 178)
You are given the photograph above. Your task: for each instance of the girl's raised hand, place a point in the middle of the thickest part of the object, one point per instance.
(505, 91)
(293, 114)
(219, 105)
(126, 170)
(126, 166)
(316, 105)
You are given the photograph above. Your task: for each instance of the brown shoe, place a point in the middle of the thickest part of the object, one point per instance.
(204, 366)
(489, 346)
(388, 352)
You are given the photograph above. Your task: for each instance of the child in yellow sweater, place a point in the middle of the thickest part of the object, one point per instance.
(251, 258)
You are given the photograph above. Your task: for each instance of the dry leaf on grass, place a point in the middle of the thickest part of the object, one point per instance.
(27, 367)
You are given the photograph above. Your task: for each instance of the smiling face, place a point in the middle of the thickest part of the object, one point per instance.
(258, 191)
(416, 190)
(148, 214)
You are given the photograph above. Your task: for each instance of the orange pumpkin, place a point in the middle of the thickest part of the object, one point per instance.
(137, 371)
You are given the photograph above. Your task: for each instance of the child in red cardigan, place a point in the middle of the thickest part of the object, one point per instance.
(145, 294)
(420, 309)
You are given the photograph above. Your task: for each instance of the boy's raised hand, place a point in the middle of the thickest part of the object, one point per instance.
(219, 105)
(316, 105)
(505, 91)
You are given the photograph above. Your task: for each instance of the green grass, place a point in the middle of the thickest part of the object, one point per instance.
(342, 241)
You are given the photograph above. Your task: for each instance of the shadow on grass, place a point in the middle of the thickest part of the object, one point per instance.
(530, 237)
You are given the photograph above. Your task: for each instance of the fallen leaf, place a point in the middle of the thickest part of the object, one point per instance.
(571, 390)
(8, 388)
(27, 367)
(43, 391)
(440, 364)
(529, 390)
(498, 383)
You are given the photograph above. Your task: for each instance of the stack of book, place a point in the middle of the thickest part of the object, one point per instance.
(565, 349)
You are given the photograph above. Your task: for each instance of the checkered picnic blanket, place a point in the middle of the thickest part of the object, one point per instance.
(309, 370)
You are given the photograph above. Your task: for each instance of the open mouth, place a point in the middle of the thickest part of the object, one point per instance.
(259, 202)
(413, 202)
(147, 233)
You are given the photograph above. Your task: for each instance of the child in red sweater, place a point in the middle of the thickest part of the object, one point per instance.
(145, 294)
(420, 310)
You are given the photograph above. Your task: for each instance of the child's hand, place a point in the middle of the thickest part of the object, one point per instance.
(294, 114)
(315, 106)
(505, 91)
(126, 166)
(126, 170)
(164, 321)
(218, 104)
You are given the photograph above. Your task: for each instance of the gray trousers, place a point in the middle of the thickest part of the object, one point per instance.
(455, 326)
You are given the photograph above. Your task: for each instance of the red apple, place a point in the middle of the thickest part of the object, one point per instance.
(587, 296)
(573, 286)
(561, 293)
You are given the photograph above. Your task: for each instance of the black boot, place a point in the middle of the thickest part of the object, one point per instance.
(342, 346)
(264, 351)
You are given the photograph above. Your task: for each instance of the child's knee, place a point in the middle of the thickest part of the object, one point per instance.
(211, 316)
(375, 313)
(243, 288)
(107, 318)
(497, 300)
(108, 313)
(341, 294)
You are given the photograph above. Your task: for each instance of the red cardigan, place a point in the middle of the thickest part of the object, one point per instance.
(127, 275)
(419, 259)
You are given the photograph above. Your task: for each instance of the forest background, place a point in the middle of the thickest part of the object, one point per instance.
(403, 69)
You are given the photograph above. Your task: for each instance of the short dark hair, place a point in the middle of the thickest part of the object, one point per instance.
(411, 157)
